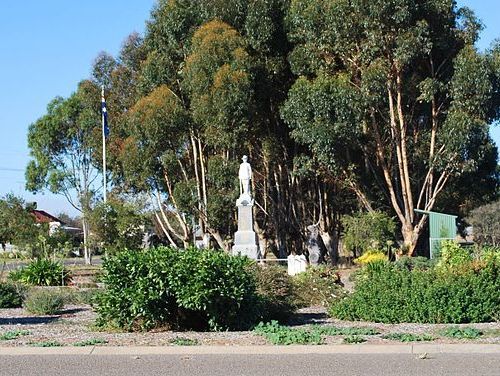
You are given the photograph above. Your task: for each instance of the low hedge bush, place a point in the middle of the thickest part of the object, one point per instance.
(182, 289)
(391, 294)
(10, 296)
(43, 302)
(316, 286)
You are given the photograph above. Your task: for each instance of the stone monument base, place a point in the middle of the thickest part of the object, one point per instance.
(249, 250)
(245, 239)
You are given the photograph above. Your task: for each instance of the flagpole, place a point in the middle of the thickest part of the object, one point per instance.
(103, 149)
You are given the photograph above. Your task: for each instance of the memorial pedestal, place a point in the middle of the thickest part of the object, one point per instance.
(245, 239)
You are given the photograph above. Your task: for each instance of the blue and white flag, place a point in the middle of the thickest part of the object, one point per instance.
(105, 127)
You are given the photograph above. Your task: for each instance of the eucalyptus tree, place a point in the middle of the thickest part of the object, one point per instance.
(62, 143)
(395, 89)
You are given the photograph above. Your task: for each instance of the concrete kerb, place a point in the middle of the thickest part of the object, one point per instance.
(257, 350)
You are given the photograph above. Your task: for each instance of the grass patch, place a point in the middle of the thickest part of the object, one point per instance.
(41, 302)
(13, 334)
(283, 335)
(46, 344)
(461, 333)
(354, 339)
(350, 331)
(182, 341)
(90, 342)
(408, 337)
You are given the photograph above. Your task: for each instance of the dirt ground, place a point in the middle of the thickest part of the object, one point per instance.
(76, 324)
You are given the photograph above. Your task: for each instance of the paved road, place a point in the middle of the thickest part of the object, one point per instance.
(246, 365)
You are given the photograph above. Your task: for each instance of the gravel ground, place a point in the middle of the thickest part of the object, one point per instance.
(76, 324)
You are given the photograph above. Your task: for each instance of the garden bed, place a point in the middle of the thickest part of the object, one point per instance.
(75, 326)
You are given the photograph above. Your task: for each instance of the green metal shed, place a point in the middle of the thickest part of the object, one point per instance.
(441, 227)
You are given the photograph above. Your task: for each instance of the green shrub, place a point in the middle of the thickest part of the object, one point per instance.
(349, 331)
(13, 334)
(316, 286)
(365, 231)
(408, 337)
(46, 344)
(283, 335)
(181, 341)
(274, 287)
(42, 272)
(42, 302)
(389, 294)
(90, 342)
(418, 262)
(452, 254)
(461, 333)
(193, 289)
(354, 339)
(11, 296)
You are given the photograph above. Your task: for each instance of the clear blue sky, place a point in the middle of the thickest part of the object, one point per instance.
(48, 46)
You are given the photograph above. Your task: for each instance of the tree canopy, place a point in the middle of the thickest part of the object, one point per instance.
(340, 105)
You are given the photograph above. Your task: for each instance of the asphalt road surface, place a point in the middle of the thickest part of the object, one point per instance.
(258, 365)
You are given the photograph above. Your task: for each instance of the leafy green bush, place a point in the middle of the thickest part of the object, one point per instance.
(10, 296)
(90, 342)
(354, 339)
(486, 223)
(42, 272)
(389, 294)
(194, 289)
(365, 231)
(452, 254)
(461, 333)
(181, 341)
(408, 337)
(42, 302)
(13, 334)
(283, 335)
(316, 286)
(418, 262)
(274, 287)
(349, 331)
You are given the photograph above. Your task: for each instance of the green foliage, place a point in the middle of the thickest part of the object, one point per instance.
(348, 331)
(408, 337)
(364, 231)
(189, 288)
(181, 341)
(11, 296)
(387, 293)
(486, 223)
(90, 342)
(410, 263)
(354, 339)
(452, 254)
(17, 223)
(283, 335)
(46, 344)
(13, 334)
(42, 272)
(117, 225)
(276, 290)
(316, 286)
(461, 333)
(44, 302)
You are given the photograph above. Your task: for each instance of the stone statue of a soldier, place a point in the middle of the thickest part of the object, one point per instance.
(245, 175)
